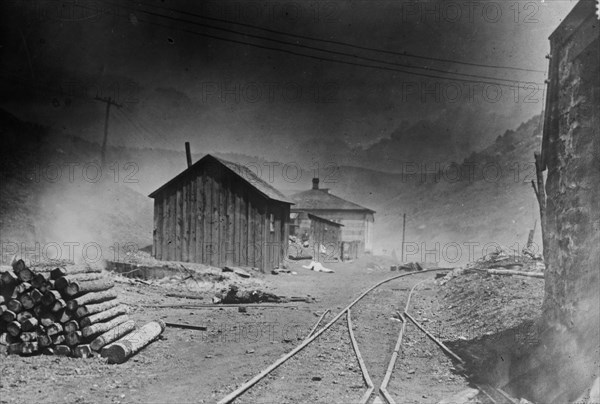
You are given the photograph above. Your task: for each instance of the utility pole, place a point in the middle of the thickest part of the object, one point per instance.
(108, 102)
(403, 234)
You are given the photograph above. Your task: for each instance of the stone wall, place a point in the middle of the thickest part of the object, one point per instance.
(571, 154)
(573, 184)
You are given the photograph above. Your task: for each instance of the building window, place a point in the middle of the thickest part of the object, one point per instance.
(272, 223)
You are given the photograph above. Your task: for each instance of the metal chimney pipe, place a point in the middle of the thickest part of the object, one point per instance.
(188, 154)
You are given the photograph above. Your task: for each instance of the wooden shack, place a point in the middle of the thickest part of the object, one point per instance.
(323, 235)
(357, 220)
(220, 213)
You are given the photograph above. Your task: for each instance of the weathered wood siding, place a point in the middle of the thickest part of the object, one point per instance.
(326, 234)
(216, 218)
(357, 225)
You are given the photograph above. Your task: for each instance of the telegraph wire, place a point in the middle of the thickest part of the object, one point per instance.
(141, 127)
(333, 52)
(122, 117)
(402, 54)
(321, 58)
(43, 89)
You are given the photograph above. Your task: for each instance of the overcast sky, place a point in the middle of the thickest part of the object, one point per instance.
(236, 82)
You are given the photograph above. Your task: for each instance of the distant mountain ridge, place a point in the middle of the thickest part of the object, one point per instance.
(485, 198)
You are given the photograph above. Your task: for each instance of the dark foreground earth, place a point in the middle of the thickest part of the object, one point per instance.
(187, 366)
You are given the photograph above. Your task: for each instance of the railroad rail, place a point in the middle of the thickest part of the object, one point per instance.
(315, 332)
(390, 369)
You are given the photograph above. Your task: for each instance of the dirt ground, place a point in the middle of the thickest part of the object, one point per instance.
(187, 366)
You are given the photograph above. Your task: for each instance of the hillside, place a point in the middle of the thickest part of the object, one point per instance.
(491, 202)
(52, 194)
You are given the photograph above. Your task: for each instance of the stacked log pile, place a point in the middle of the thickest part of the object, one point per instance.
(70, 310)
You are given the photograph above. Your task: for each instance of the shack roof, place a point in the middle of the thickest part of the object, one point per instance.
(305, 215)
(331, 222)
(321, 199)
(239, 170)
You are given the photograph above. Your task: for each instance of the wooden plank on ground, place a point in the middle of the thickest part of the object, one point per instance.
(187, 326)
(185, 295)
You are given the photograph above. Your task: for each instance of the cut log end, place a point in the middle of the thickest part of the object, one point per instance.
(118, 352)
(82, 351)
(74, 338)
(62, 350)
(71, 326)
(15, 348)
(30, 348)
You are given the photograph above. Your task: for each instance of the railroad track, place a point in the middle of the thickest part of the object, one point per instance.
(381, 394)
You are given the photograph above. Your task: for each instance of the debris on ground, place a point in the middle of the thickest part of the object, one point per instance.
(503, 262)
(283, 271)
(235, 296)
(191, 280)
(238, 271)
(411, 266)
(511, 272)
(307, 299)
(450, 275)
(69, 310)
(503, 258)
(317, 267)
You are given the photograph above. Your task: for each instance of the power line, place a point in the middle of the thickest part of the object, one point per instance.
(403, 54)
(320, 58)
(45, 89)
(126, 121)
(140, 127)
(151, 131)
(245, 34)
(130, 121)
